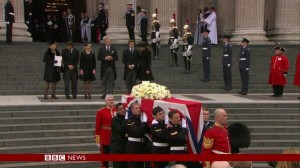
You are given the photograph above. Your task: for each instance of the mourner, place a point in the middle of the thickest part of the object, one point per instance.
(144, 26)
(173, 42)
(206, 53)
(187, 48)
(278, 70)
(70, 57)
(244, 65)
(144, 72)
(227, 63)
(86, 30)
(70, 25)
(103, 126)
(108, 55)
(130, 21)
(155, 35)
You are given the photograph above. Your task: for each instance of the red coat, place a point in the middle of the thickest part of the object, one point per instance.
(297, 74)
(279, 65)
(215, 141)
(103, 124)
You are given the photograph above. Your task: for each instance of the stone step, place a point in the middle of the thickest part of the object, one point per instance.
(265, 150)
(275, 135)
(236, 116)
(268, 129)
(275, 143)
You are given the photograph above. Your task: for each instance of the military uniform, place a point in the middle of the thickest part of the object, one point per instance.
(226, 63)
(118, 139)
(130, 23)
(244, 66)
(173, 42)
(101, 24)
(155, 37)
(136, 129)
(187, 51)
(206, 52)
(216, 141)
(160, 144)
(9, 19)
(103, 130)
(144, 28)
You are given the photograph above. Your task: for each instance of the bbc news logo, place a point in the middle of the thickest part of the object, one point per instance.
(62, 158)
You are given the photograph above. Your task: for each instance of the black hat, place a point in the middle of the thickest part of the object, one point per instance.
(206, 30)
(245, 40)
(52, 42)
(239, 135)
(101, 3)
(226, 36)
(280, 48)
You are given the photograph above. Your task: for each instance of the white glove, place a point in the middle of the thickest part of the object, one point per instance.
(92, 25)
(189, 47)
(98, 145)
(228, 65)
(27, 22)
(247, 69)
(157, 35)
(183, 123)
(207, 58)
(285, 75)
(30, 14)
(144, 117)
(175, 41)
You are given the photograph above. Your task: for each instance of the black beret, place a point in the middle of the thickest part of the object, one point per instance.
(206, 30)
(227, 36)
(279, 48)
(245, 40)
(52, 42)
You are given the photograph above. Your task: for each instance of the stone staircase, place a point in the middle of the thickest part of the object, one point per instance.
(70, 129)
(22, 70)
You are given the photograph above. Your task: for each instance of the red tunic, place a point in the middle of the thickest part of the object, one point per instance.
(215, 141)
(103, 124)
(297, 74)
(279, 65)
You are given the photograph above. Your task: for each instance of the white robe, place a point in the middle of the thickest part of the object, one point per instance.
(211, 21)
(86, 30)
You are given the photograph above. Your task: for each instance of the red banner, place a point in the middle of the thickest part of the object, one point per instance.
(144, 157)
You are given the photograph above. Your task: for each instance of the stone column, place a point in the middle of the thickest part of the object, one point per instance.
(269, 16)
(117, 30)
(165, 8)
(19, 27)
(92, 7)
(249, 22)
(287, 22)
(225, 17)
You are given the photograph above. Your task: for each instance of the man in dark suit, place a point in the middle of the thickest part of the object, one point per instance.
(144, 26)
(244, 65)
(70, 57)
(108, 55)
(101, 21)
(226, 62)
(131, 60)
(130, 21)
(9, 19)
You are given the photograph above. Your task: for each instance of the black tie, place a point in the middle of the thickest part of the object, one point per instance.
(131, 50)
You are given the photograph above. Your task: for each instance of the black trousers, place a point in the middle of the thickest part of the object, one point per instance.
(187, 62)
(108, 81)
(131, 32)
(174, 56)
(227, 76)
(130, 80)
(135, 148)
(245, 80)
(102, 32)
(104, 149)
(278, 90)
(206, 67)
(160, 150)
(155, 49)
(144, 38)
(9, 32)
(70, 76)
(180, 152)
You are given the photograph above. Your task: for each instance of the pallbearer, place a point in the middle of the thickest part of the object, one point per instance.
(173, 42)
(155, 36)
(187, 49)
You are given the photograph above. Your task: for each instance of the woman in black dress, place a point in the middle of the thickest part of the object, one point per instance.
(144, 72)
(51, 73)
(87, 69)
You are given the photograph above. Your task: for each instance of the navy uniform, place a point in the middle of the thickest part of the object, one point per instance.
(144, 26)
(155, 35)
(187, 49)
(173, 42)
(130, 22)
(206, 52)
(226, 63)
(136, 129)
(160, 144)
(244, 66)
(9, 19)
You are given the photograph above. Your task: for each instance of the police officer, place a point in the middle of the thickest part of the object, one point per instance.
(173, 41)
(176, 133)
(136, 128)
(226, 62)
(155, 35)
(9, 19)
(206, 52)
(158, 132)
(187, 48)
(144, 26)
(244, 65)
(130, 21)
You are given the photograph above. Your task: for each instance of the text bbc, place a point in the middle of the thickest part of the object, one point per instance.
(62, 158)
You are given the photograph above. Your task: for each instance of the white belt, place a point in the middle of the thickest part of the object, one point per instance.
(135, 139)
(172, 37)
(178, 148)
(219, 152)
(243, 59)
(204, 48)
(160, 144)
(11, 13)
(226, 55)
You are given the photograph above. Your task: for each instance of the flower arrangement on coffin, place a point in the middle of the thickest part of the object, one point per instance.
(147, 90)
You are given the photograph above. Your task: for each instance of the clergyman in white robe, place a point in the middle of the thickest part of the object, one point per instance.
(211, 21)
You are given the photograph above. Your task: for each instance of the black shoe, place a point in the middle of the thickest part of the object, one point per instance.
(45, 97)
(103, 96)
(228, 88)
(298, 98)
(74, 97)
(205, 80)
(279, 96)
(54, 97)
(242, 93)
(274, 95)
(85, 96)
(68, 97)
